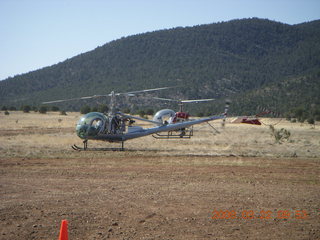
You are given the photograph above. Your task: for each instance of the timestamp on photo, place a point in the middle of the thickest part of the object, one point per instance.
(260, 214)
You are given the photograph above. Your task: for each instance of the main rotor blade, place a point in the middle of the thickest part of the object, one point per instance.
(197, 100)
(142, 91)
(72, 99)
(166, 99)
(108, 95)
(185, 101)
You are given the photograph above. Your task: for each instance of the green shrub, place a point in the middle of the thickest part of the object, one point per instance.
(54, 109)
(141, 113)
(149, 111)
(126, 110)
(94, 109)
(311, 120)
(26, 108)
(85, 109)
(280, 135)
(43, 109)
(103, 108)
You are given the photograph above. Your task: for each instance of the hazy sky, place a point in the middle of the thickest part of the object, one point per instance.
(39, 33)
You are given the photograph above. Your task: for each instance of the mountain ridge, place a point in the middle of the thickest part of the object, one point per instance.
(219, 60)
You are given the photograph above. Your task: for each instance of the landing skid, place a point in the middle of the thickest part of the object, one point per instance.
(85, 147)
(185, 133)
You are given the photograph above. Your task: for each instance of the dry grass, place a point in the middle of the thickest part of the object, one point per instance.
(51, 135)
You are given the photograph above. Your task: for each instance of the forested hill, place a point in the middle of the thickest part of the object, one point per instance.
(254, 62)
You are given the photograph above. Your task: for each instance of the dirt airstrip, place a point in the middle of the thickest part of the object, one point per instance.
(236, 184)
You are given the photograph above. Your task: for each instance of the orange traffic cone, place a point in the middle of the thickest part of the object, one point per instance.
(63, 230)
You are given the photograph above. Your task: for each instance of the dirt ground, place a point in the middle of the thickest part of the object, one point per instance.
(236, 184)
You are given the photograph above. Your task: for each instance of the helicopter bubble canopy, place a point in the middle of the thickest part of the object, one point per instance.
(164, 115)
(91, 125)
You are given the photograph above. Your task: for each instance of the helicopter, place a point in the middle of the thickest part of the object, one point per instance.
(176, 117)
(116, 126)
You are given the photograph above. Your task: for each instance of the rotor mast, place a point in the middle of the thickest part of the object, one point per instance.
(181, 106)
